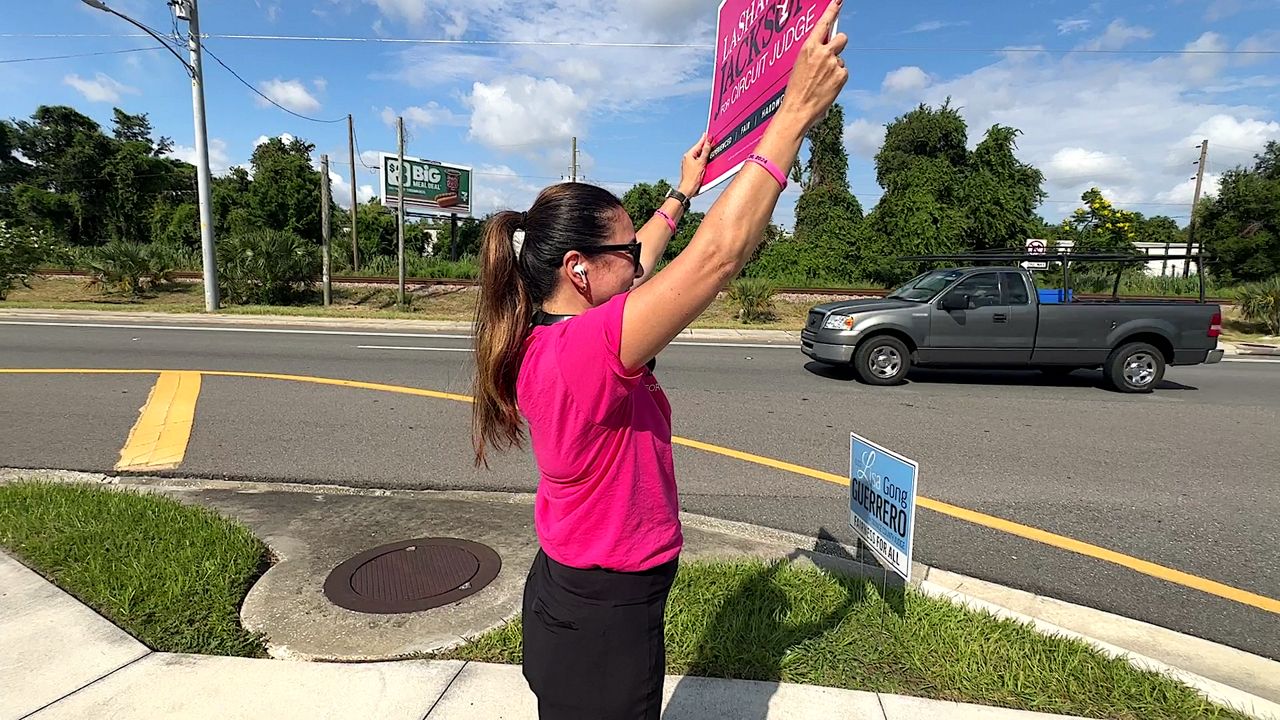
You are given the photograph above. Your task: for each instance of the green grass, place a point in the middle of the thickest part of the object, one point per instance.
(172, 575)
(348, 302)
(778, 622)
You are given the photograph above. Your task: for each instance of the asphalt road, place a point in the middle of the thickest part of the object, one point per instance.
(1186, 477)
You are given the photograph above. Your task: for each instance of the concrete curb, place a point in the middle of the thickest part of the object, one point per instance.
(834, 556)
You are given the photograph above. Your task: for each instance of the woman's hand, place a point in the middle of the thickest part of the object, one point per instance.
(818, 75)
(693, 166)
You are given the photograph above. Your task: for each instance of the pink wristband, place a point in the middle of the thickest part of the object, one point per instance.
(670, 223)
(773, 170)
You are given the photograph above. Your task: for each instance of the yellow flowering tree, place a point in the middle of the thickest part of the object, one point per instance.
(1099, 226)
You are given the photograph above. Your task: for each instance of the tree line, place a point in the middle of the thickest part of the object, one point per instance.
(64, 176)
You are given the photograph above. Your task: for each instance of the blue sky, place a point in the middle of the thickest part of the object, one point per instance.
(1127, 122)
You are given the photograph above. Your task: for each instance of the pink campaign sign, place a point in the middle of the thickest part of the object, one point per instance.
(757, 42)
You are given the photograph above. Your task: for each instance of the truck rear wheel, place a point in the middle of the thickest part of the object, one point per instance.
(882, 360)
(1134, 368)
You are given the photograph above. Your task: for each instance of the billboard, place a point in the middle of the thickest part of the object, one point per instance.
(430, 187)
(757, 43)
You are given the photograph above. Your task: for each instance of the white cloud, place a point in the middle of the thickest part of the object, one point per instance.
(1264, 42)
(935, 25)
(411, 11)
(455, 25)
(1073, 25)
(864, 138)
(429, 67)
(1129, 125)
(905, 80)
(219, 161)
(1118, 35)
(102, 88)
(1091, 167)
(606, 80)
(1232, 141)
(292, 94)
(1184, 192)
(417, 116)
(1201, 67)
(340, 188)
(524, 111)
(285, 137)
(498, 187)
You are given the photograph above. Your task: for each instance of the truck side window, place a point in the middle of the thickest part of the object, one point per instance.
(1015, 289)
(983, 290)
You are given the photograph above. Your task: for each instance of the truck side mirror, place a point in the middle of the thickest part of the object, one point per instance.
(955, 301)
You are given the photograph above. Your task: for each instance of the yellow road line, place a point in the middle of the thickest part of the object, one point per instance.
(380, 387)
(1044, 537)
(1025, 531)
(158, 440)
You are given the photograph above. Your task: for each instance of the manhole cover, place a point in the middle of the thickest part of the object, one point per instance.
(412, 575)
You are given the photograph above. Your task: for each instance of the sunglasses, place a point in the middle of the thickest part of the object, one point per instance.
(632, 247)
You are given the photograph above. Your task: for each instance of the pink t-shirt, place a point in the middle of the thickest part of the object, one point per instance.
(602, 439)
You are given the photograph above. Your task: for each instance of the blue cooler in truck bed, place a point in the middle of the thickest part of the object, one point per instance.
(1051, 296)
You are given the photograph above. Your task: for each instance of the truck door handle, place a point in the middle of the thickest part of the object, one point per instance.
(1000, 318)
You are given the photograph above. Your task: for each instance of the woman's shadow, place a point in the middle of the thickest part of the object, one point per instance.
(750, 636)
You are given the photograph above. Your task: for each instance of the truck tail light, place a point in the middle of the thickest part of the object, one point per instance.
(1215, 325)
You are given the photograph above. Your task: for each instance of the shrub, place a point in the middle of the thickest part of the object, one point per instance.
(21, 252)
(754, 299)
(132, 268)
(266, 267)
(417, 266)
(1260, 303)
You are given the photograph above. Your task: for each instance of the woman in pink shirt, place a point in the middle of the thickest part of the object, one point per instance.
(570, 319)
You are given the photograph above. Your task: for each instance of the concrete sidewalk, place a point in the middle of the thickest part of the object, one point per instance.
(61, 660)
(58, 658)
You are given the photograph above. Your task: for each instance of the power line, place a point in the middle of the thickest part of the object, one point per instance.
(78, 55)
(661, 46)
(360, 154)
(262, 95)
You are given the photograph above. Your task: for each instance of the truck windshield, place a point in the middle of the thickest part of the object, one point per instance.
(926, 286)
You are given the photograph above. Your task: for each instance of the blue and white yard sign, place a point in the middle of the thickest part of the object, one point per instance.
(882, 502)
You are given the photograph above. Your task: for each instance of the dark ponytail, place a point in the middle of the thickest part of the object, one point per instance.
(564, 217)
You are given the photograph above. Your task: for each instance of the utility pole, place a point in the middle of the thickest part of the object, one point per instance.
(573, 161)
(1191, 231)
(455, 246)
(187, 10)
(351, 150)
(326, 198)
(204, 181)
(400, 208)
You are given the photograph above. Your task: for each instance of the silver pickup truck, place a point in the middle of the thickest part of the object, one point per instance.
(994, 317)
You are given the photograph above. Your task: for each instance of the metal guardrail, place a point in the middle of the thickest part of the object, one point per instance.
(826, 292)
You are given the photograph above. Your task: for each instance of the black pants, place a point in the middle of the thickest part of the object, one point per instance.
(593, 640)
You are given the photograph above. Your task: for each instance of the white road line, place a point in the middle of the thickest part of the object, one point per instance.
(761, 346)
(404, 347)
(420, 336)
(269, 331)
(340, 333)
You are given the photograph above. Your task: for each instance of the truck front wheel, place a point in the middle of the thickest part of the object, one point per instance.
(882, 360)
(1134, 368)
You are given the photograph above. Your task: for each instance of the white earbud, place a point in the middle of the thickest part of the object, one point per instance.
(581, 271)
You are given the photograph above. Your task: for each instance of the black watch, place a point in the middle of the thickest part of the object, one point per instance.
(680, 198)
